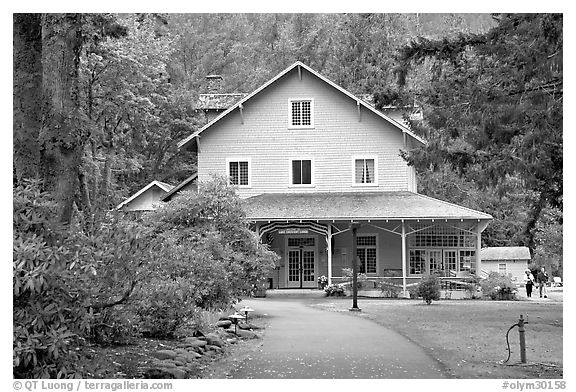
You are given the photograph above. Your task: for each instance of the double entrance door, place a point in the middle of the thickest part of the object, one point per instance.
(301, 254)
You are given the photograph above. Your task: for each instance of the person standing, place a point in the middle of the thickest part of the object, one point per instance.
(529, 283)
(542, 278)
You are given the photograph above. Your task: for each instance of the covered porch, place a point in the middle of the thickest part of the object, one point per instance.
(397, 236)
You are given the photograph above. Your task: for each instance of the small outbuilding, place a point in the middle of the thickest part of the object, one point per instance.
(147, 198)
(506, 260)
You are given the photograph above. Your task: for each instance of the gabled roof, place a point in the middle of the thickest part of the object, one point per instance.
(162, 185)
(177, 188)
(505, 253)
(354, 206)
(359, 101)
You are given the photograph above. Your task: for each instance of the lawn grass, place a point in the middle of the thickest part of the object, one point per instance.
(469, 336)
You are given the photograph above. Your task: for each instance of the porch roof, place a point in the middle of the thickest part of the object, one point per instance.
(354, 206)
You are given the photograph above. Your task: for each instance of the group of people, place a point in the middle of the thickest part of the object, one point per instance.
(540, 282)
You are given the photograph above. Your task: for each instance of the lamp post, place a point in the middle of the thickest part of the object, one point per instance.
(354, 226)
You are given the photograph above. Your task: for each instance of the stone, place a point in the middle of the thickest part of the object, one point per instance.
(224, 323)
(244, 326)
(247, 334)
(177, 373)
(181, 351)
(213, 348)
(214, 340)
(183, 359)
(165, 354)
(194, 355)
(195, 342)
(167, 363)
(232, 340)
(155, 373)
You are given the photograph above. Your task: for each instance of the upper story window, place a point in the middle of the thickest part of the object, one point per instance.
(239, 172)
(301, 172)
(365, 171)
(301, 113)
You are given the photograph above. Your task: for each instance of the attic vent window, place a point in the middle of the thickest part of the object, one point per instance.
(301, 113)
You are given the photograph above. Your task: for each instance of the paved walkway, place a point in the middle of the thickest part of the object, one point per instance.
(301, 342)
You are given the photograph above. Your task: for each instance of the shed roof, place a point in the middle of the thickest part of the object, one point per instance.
(354, 205)
(505, 253)
(162, 185)
(359, 101)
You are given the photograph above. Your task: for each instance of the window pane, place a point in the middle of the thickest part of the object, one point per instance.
(306, 113)
(366, 240)
(296, 172)
(234, 173)
(361, 253)
(306, 172)
(371, 260)
(359, 170)
(369, 171)
(243, 173)
(296, 113)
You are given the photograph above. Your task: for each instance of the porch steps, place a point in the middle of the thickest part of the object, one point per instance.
(295, 293)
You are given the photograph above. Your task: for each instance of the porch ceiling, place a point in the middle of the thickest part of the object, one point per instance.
(354, 205)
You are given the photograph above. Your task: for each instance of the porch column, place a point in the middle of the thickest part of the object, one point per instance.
(329, 250)
(404, 293)
(478, 247)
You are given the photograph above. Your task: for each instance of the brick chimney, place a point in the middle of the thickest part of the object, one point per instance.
(214, 83)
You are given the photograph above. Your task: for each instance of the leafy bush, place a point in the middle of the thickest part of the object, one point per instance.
(66, 282)
(46, 311)
(498, 286)
(163, 307)
(429, 289)
(206, 258)
(334, 290)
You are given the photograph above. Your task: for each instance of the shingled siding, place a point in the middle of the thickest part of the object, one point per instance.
(336, 138)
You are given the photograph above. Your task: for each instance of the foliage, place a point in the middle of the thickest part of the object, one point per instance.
(493, 111)
(207, 246)
(138, 116)
(322, 281)
(67, 282)
(429, 289)
(46, 314)
(498, 286)
(163, 306)
(334, 290)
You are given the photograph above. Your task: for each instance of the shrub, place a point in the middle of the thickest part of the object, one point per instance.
(498, 286)
(162, 307)
(46, 311)
(429, 289)
(334, 290)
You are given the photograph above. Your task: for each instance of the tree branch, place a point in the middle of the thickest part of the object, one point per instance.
(121, 300)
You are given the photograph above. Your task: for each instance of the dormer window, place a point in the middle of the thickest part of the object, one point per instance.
(301, 113)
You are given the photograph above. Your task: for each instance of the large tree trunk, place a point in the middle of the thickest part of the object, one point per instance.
(63, 131)
(27, 87)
